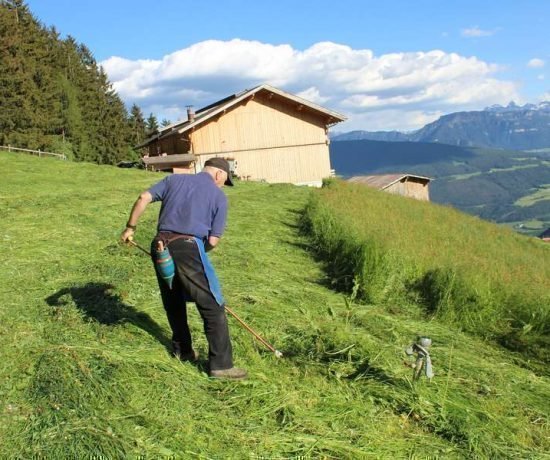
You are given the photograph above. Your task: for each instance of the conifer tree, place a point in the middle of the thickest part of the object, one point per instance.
(137, 131)
(152, 124)
(17, 89)
(137, 126)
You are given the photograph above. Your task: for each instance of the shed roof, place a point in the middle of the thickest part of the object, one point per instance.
(168, 159)
(545, 234)
(382, 181)
(215, 108)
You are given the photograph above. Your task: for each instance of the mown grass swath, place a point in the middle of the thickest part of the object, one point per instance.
(482, 278)
(85, 371)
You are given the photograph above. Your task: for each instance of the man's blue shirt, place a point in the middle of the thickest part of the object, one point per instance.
(191, 204)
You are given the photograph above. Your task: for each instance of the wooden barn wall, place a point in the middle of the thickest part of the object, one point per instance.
(410, 188)
(307, 164)
(258, 124)
(269, 139)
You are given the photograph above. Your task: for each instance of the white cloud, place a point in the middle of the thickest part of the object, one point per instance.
(536, 63)
(545, 96)
(389, 91)
(312, 94)
(474, 32)
(540, 76)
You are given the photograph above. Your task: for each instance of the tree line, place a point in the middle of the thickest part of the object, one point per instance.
(54, 96)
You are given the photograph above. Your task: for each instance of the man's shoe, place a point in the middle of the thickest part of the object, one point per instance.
(191, 356)
(234, 373)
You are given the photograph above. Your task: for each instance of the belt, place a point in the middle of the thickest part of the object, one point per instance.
(168, 237)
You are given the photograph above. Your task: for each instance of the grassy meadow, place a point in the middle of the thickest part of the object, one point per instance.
(541, 194)
(85, 371)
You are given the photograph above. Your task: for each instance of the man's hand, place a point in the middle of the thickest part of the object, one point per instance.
(211, 243)
(127, 234)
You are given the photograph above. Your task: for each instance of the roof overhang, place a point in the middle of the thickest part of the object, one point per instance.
(210, 111)
(169, 159)
(383, 181)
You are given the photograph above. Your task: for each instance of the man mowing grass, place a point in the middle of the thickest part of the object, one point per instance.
(191, 222)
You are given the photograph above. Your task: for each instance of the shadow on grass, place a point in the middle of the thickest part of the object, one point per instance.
(100, 303)
(339, 276)
(296, 219)
(301, 242)
(335, 280)
(365, 370)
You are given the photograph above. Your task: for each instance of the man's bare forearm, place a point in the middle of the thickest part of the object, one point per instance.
(137, 210)
(139, 207)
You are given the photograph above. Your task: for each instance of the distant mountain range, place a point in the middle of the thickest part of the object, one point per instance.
(510, 127)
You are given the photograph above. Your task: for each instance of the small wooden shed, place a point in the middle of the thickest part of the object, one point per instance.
(400, 184)
(265, 133)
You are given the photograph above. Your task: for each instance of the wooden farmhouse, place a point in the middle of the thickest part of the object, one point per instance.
(400, 184)
(266, 135)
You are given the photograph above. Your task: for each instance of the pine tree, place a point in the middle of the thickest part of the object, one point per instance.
(17, 117)
(74, 82)
(136, 124)
(137, 131)
(152, 124)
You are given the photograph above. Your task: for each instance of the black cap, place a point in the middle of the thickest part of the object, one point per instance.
(222, 164)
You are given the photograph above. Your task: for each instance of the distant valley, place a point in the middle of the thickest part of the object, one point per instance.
(504, 186)
(493, 163)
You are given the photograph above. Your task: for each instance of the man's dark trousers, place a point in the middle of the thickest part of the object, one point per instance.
(190, 283)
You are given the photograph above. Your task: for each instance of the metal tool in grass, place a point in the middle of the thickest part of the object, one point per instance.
(421, 348)
(167, 270)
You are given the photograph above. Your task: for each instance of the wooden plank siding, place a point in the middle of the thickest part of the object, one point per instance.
(297, 165)
(411, 188)
(269, 140)
(255, 125)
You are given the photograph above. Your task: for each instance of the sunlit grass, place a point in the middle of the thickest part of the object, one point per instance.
(84, 369)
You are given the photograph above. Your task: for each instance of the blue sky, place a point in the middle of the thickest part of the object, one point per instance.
(386, 65)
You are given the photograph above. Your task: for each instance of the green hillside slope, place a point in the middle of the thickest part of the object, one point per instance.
(482, 278)
(84, 368)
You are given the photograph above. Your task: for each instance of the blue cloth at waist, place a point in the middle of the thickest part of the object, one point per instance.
(210, 273)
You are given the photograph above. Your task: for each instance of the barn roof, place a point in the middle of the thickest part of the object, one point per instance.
(217, 107)
(545, 234)
(382, 181)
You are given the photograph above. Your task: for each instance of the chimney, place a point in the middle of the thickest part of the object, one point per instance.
(190, 114)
